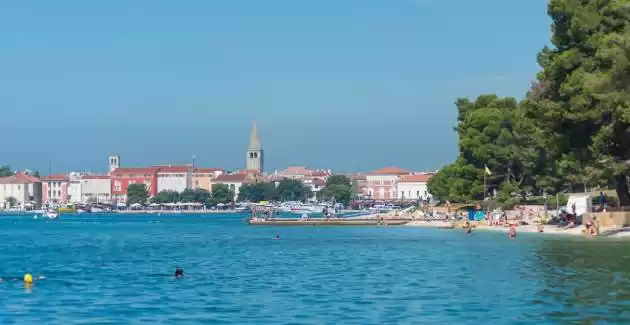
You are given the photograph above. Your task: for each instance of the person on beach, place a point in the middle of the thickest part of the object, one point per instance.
(468, 227)
(512, 232)
(179, 273)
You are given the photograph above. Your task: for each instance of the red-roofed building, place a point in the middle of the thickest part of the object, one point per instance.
(174, 178)
(236, 180)
(20, 190)
(121, 178)
(55, 189)
(381, 183)
(414, 187)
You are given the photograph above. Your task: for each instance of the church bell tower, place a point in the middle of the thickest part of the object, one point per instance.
(255, 155)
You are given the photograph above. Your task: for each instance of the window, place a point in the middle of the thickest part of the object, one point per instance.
(116, 187)
(417, 193)
(19, 187)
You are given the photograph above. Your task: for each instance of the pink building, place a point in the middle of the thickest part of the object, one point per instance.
(55, 189)
(381, 183)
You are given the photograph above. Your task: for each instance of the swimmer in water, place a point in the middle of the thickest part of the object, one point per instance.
(277, 237)
(179, 272)
(512, 232)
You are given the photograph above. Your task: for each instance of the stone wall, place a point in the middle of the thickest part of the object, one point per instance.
(609, 219)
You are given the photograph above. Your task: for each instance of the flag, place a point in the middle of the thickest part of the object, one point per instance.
(488, 170)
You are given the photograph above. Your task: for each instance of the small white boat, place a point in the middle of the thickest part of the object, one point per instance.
(51, 215)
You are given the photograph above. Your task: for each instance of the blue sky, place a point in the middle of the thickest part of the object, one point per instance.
(351, 85)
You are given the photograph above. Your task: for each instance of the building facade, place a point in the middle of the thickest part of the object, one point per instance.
(55, 189)
(174, 178)
(74, 188)
(413, 187)
(255, 154)
(381, 183)
(204, 177)
(96, 189)
(20, 191)
(121, 178)
(235, 181)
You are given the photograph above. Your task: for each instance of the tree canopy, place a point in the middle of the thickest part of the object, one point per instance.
(256, 192)
(573, 127)
(137, 193)
(339, 188)
(292, 190)
(222, 193)
(5, 171)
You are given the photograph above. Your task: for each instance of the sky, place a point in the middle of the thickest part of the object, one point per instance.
(350, 85)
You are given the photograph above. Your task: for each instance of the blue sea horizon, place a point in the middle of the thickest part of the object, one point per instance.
(118, 269)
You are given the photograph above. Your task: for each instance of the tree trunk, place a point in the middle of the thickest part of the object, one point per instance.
(621, 185)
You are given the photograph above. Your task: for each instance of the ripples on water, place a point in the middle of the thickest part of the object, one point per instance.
(117, 270)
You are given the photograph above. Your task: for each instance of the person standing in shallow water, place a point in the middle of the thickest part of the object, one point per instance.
(179, 272)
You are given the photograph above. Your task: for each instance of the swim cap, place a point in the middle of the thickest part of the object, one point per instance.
(28, 278)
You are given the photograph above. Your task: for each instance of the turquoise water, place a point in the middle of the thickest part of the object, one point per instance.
(116, 270)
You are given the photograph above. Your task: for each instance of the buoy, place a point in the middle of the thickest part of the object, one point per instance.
(28, 278)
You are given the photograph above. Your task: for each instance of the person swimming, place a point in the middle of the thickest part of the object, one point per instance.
(512, 232)
(179, 272)
(277, 237)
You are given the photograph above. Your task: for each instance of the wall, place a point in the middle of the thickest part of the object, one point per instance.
(203, 181)
(172, 182)
(120, 193)
(58, 194)
(74, 191)
(609, 219)
(382, 187)
(98, 188)
(412, 190)
(17, 191)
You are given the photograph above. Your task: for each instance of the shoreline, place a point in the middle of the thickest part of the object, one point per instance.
(622, 232)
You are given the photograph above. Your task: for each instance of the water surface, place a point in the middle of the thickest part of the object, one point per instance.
(107, 269)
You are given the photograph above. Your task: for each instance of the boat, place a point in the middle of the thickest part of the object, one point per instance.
(51, 215)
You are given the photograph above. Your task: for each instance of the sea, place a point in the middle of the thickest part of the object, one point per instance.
(118, 269)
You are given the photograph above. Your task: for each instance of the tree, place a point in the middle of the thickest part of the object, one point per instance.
(494, 133)
(255, 192)
(166, 196)
(12, 201)
(36, 174)
(188, 196)
(5, 171)
(291, 189)
(338, 179)
(137, 193)
(203, 196)
(222, 193)
(581, 99)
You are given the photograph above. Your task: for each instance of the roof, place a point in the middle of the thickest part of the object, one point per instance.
(208, 170)
(319, 182)
(135, 170)
(174, 169)
(417, 178)
(19, 178)
(390, 171)
(231, 178)
(254, 141)
(95, 177)
(55, 177)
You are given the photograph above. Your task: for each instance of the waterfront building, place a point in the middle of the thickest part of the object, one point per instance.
(315, 184)
(236, 180)
(114, 163)
(174, 178)
(255, 154)
(96, 189)
(204, 177)
(20, 190)
(121, 178)
(301, 172)
(413, 187)
(55, 189)
(74, 187)
(381, 183)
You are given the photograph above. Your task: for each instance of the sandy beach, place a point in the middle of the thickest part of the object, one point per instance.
(547, 229)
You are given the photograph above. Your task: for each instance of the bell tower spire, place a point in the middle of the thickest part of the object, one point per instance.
(254, 151)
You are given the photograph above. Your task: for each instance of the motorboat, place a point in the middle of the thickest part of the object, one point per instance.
(51, 215)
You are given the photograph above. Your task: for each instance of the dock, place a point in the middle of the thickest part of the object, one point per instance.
(327, 222)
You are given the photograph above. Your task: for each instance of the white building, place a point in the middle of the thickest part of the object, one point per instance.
(413, 187)
(96, 189)
(74, 188)
(20, 191)
(234, 181)
(174, 178)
